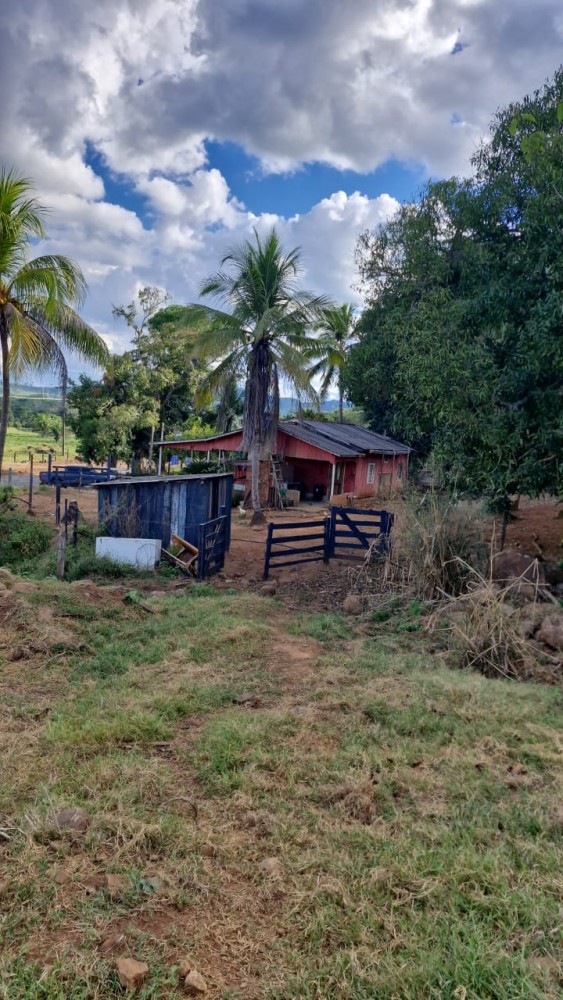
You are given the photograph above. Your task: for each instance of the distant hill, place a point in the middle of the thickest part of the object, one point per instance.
(35, 391)
(289, 405)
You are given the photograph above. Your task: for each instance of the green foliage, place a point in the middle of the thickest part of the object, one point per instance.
(7, 499)
(264, 336)
(38, 322)
(21, 538)
(460, 349)
(140, 389)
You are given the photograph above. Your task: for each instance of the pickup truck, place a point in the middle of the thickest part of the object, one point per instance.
(76, 475)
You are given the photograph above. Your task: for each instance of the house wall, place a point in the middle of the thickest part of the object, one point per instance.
(388, 475)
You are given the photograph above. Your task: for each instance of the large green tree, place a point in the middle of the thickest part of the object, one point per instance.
(264, 335)
(38, 321)
(464, 331)
(151, 386)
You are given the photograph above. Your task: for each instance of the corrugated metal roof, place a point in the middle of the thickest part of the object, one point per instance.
(343, 439)
(147, 480)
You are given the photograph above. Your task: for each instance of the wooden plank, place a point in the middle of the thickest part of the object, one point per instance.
(296, 524)
(296, 552)
(296, 562)
(298, 538)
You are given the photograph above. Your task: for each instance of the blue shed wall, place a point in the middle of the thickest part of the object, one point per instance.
(159, 508)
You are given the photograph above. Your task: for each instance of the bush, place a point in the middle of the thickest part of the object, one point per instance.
(22, 538)
(435, 546)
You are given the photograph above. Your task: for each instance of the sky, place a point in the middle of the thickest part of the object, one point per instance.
(160, 132)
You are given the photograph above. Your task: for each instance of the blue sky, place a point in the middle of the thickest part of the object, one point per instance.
(316, 117)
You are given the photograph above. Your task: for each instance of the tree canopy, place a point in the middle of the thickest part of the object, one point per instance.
(461, 346)
(38, 321)
(264, 335)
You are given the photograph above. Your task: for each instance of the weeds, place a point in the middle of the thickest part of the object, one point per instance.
(433, 548)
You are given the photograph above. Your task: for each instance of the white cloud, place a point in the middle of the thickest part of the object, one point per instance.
(146, 82)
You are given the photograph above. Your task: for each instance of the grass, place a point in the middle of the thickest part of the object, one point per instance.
(20, 439)
(414, 811)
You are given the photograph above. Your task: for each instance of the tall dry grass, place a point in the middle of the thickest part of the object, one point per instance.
(436, 544)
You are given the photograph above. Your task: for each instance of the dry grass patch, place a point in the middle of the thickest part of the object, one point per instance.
(366, 824)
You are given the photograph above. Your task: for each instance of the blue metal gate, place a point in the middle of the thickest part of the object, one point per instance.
(352, 528)
(213, 542)
(336, 537)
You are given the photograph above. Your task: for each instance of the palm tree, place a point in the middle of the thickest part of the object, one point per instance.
(263, 337)
(37, 295)
(336, 332)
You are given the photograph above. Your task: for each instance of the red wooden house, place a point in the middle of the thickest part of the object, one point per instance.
(321, 460)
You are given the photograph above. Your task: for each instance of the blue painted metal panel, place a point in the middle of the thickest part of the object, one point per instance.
(157, 507)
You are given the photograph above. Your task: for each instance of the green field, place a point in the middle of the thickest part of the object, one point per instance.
(19, 440)
(303, 812)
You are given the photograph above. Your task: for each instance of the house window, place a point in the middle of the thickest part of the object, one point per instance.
(386, 459)
(400, 471)
(371, 473)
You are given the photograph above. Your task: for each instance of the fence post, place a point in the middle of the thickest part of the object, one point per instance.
(326, 553)
(201, 555)
(61, 548)
(332, 533)
(268, 550)
(58, 503)
(30, 496)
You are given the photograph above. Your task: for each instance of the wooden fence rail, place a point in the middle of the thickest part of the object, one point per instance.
(347, 529)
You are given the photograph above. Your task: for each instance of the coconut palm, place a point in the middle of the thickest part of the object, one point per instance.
(263, 337)
(37, 295)
(336, 332)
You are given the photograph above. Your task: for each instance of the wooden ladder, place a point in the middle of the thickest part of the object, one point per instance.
(277, 480)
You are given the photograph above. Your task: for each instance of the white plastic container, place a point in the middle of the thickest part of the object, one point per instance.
(143, 553)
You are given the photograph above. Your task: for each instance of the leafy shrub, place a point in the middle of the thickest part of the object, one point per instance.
(22, 538)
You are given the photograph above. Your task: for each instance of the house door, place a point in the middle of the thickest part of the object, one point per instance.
(385, 483)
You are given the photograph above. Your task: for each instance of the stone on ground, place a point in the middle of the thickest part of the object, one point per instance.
(352, 605)
(195, 984)
(73, 820)
(131, 973)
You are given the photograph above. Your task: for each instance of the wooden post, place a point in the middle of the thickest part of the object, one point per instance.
(61, 549)
(49, 465)
(30, 494)
(58, 503)
(160, 450)
(268, 550)
(332, 481)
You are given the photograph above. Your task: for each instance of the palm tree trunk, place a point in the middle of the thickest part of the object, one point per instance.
(5, 415)
(258, 515)
(340, 399)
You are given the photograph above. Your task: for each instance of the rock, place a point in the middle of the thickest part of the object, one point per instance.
(272, 866)
(17, 654)
(117, 886)
(208, 850)
(244, 699)
(131, 973)
(352, 605)
(195, 984)
(62, 877)
(551, 631)
(72, 820)
(269, 590)
(184, 969)
(112, 944)
(527, 627)
(510, 566)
